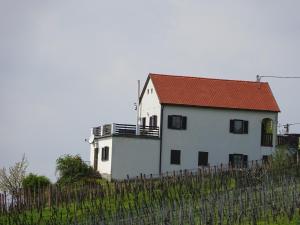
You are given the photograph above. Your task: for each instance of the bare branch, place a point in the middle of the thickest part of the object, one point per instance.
(11, 181)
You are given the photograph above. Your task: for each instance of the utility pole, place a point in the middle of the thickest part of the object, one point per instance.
(138, 110)
(287, 128)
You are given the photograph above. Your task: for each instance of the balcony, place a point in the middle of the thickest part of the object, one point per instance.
(267, 140)
(116, 129)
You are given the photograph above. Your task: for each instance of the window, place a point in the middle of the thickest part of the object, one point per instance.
(96, 158)
(266, 132)
(175, 157)
(238, 160)
(105, 153)
(202, 158)
(153, 121)
(239, 126)
(147, 91)
(143, 122)
(151, 90)
(266, 159)
(177, 122)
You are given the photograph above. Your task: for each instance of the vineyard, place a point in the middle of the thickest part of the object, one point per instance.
(259, 194)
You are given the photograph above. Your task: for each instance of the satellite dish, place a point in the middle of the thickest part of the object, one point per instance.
(91, 139)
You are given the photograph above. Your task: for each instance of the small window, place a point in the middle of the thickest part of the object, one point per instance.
(177, 122)
(151, 90)
(148, 91)
(105, 153)
(238, 160)
(239, 126)
(175, 157)
(202, 158)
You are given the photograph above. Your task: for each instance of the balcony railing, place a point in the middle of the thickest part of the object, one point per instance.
(267, 140)
(125, 130)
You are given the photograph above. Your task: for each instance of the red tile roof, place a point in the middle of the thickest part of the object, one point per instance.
(216, 93)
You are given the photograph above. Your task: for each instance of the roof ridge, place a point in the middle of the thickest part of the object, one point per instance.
(206, 78)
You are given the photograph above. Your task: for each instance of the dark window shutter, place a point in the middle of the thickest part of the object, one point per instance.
(107, 153)
(96, 159)
(183, 122)
(170, 121)
(102, 154)
(231, 129)
(245, 125)
(245, 160)
(143, 122)
(154, 121)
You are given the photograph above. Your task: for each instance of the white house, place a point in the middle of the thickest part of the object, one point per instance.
(187, 122)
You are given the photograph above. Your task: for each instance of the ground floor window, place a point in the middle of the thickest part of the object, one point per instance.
(238, 160)
(175, 157)
(266, 158)
(202, 158)
(105, 154)
(96, 158)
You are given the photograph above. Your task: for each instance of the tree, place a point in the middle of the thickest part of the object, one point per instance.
(33, 182)
(72, 169)
(11, 181)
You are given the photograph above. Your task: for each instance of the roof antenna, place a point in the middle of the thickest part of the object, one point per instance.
(258, 78)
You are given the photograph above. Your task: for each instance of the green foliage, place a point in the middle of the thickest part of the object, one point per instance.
(33, 182)
(73, 169)
(280, 156)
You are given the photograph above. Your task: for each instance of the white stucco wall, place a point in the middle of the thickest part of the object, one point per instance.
(133, 156)
(208, 130)
(150, 105)
(104, 167)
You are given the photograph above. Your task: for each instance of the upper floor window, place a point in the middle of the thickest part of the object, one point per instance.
(175, 157)
(153, 121)
(105, 153)
(239, 126)
(143, 122)
(177, 122)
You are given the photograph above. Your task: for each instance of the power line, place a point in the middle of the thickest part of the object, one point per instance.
(282, 125)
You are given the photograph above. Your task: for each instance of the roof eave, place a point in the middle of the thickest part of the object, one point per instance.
(224, 108)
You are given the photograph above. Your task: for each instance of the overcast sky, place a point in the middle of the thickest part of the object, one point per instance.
(66, 66)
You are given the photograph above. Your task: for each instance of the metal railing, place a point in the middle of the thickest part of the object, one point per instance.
(267, 140)
(125, 130)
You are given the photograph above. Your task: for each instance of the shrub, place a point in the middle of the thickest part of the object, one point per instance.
(73, 169)
(33, 182)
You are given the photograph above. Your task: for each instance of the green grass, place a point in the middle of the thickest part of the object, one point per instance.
(112, 201)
